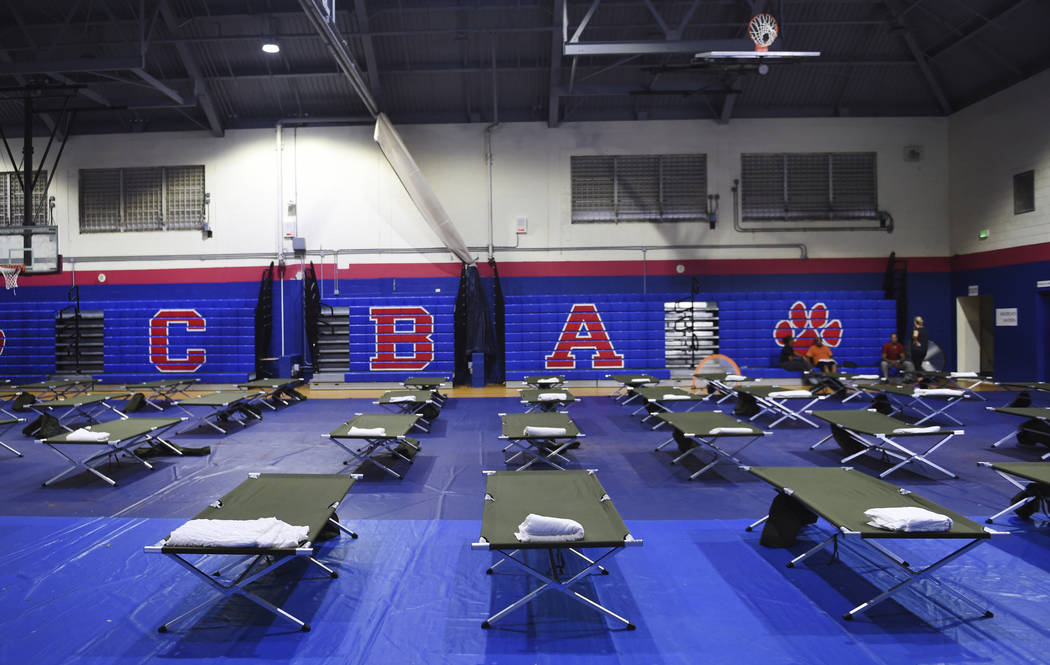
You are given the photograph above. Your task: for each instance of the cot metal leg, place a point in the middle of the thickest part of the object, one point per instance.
(814, 446)
(1010, 508)
(759, 522)
(1011, 435)
(816, 548)
(343, 528)
(11, 449)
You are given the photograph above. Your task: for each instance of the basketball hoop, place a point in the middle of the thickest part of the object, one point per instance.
(762, 29)
(11, 271)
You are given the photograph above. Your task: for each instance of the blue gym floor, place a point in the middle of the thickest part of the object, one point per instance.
(75, 585)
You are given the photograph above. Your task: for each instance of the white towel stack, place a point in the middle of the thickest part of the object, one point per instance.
(402, 398)
(84, 434)
(552, 397)
(543, 529)
(639, 379)
(534, 430)
(735, 377)
(675, 397)
(265, 533)
(937, 392)
(963, 375)
(866, 377)
(732, 430)
(917, 430)
(366, 431)
(789, 394)
(909, 519)
(549, 379)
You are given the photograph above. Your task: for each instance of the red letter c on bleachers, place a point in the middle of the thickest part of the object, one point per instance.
(160, 354)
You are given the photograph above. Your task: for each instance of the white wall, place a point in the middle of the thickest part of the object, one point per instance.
(990, 142)
(348, 197)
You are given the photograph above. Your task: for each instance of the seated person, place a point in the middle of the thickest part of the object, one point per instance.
(819, 355)
(893, 356)
(789, 358)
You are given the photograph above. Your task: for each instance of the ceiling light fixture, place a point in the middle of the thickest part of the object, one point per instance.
(271, 46)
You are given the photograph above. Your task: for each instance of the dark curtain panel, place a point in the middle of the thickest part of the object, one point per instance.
(264, 320)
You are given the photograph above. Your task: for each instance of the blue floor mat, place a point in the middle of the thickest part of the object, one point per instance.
(75, 585)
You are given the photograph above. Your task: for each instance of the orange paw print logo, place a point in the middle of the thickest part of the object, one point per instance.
(805, 325)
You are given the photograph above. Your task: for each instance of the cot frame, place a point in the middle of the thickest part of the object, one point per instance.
(694, 402)
(778, 406)
(162, 390)
(6, 424)
(431, 383)
(622, 394)
(373, 444)
(217, 410)
(83, 405)
(1042, 511)
(271, 389)
(840, 535)
(531, 447)
(1013, 433)
(885, 446)
(410, 408)
(709, 440)
(918, 405)
(112, 450)
(235, 584)
(553, 580)
(549, 406)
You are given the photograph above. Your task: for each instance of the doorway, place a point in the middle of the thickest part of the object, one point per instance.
(975, 334)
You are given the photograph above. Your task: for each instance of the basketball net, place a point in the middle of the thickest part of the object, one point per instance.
(763, 30)
(11, 273)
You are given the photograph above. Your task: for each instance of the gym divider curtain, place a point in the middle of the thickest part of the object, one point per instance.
(472, 324)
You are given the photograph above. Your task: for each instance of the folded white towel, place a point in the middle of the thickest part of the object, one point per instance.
(533, 430)
(866, 377)
(908, 518)
(917, 430)
(366, 431)
(671, 397)
(543, 529)
(789, 394)
(732, 430)
(84, 434)
(265, 532)
(401, 398)
(552, 397)
(937, 392)
(639, 379)
(549, 379)
(735, 377)
(963, 375)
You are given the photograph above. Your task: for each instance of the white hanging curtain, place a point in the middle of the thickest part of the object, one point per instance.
(418, 190)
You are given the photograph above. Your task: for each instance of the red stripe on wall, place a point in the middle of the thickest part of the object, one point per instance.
(998, 258)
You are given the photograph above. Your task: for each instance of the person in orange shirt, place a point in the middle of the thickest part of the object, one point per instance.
(820, 354)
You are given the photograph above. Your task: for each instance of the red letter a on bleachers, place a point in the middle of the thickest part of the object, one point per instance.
(584, 330)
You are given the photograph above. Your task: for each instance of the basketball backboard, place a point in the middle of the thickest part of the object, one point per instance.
(36, 247)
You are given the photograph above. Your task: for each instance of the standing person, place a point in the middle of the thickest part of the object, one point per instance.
(820, 354)
(919, 344)
(893, 356)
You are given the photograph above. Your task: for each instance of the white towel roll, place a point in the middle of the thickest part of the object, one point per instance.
(789, 394)
(544, 529)
(639, 379)
(87, 435)
(549, 379)
(937, 392)
(917, 430)
(366, 431)
(265, 532)
(909, 519)
(866, 377)
(735, 377)
(963, 375)
(732, 430)
(401, 398)
(672, 397)
(534, 430)
(552, 397)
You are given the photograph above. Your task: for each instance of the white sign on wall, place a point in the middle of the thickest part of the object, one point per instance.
(971, 290)
(1006, 316)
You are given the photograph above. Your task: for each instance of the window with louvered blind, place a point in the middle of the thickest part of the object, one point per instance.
(12, 198)
(639, 188)
(160, 198)
(816, 186)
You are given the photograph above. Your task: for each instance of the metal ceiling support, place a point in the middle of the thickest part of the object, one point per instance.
(189, 61)
(655, 47)
(316, 13)
(557, 40)
(79, 65)
(90, 94)
(371, 66)
(986, 21)
(153, 81)
(920, 59)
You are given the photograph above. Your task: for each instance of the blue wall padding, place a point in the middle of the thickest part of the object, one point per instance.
(227, 338)
(28, 351)
(412, 335)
